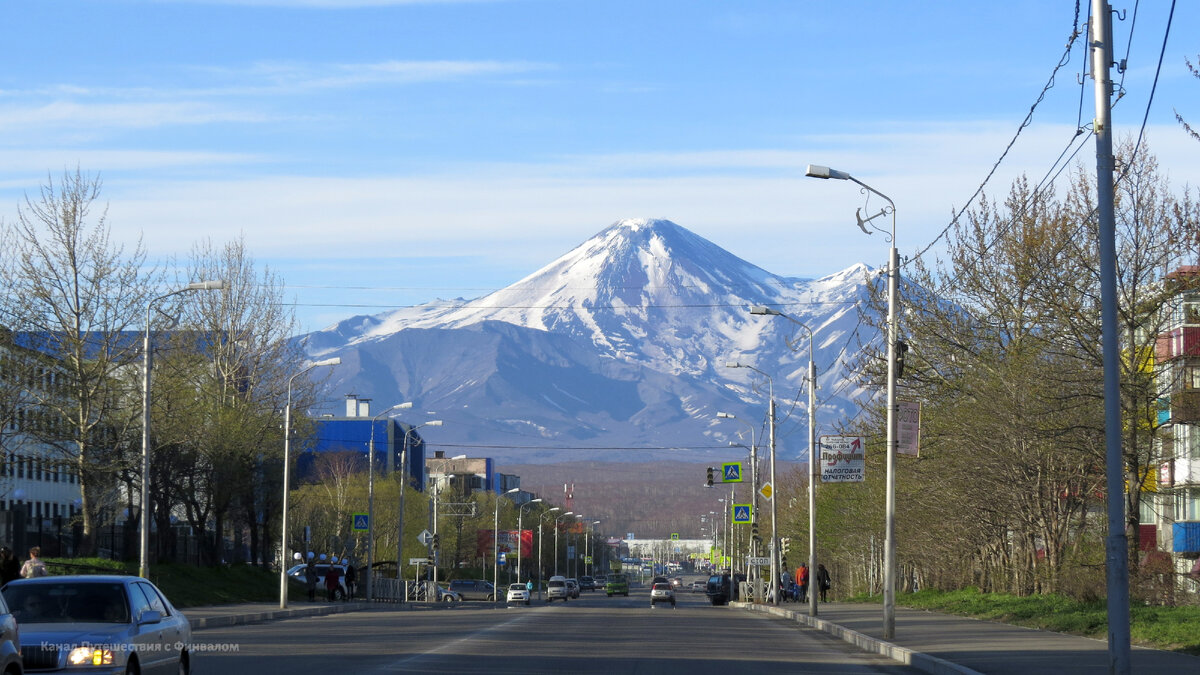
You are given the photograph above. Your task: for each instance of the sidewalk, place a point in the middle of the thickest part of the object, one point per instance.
(213, 616)
(943, 643)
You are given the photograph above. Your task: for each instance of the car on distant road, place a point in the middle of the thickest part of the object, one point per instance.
(518, 593)
(698, 586)
(617, 584)
(587, 583)
(661, 592)
(600, 581)
(99, 624)
(573, 588)
(474, 589)
(556, 588)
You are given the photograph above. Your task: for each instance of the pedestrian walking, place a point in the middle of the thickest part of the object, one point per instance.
(310, 580)
(34, 567)
(331, 583)
(823, 582)
(10, 567)
(802, 582)
(351, 580)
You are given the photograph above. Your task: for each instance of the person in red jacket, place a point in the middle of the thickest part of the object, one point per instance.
(802, 581)
(331, 583)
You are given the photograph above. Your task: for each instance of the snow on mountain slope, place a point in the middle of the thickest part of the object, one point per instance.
(620, 343)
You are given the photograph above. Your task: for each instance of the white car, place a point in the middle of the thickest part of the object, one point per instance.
(556, 587)
(662, 592)
(518, 593)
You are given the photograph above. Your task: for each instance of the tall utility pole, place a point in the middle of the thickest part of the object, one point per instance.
(1116, 545)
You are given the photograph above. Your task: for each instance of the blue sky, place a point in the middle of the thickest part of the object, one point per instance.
(382, 153)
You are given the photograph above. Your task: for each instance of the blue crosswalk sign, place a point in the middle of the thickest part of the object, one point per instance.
(731, 472)
(741, 513)
(361, 522)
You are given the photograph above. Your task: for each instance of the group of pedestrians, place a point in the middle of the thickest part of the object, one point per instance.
(332, 581)
(803, 578)
(11, 569)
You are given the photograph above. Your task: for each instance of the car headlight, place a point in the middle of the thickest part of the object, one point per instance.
(90, 656)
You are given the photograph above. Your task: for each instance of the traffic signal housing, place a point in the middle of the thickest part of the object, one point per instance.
(434, 544)
(710, 476)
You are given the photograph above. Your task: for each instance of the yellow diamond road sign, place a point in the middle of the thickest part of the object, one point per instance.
(765, 491)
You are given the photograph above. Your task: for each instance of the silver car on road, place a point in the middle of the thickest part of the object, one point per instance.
(98, 624)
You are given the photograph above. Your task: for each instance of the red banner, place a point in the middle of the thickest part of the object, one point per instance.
(507, 543)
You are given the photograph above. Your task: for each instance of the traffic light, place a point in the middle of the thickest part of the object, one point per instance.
(434, 544)
(710, 476)
(785, 544)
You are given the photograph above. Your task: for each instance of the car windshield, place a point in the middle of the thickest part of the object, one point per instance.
(81, 602)
(517, 587)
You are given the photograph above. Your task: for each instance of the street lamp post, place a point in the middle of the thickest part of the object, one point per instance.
(403, 491)
(540, 519)
(287, 460)
(774, 591)
(889, 547)
(568, 513)
(521, 532)
(144, 519)
(588, 566)
(433, 515)
(496, 545)
(813, 460)
(371, 495)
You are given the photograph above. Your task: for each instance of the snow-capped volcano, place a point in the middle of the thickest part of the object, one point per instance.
(619, 344)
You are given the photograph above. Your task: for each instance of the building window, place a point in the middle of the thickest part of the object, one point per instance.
(1187, 504)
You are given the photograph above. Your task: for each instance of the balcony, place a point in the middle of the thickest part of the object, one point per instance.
(1187, 537)
(1186, 473)
(1185, 406)
(1177, 343)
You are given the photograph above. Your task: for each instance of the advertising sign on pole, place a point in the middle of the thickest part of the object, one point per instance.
(842, 459)
(908, 427)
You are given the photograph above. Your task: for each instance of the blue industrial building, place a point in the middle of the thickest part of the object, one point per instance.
(353, 434)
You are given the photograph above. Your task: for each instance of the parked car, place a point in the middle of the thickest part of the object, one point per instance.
(296, 573)
(10, 642)
(587, 583)
(618, 584)
(474, 589)
(661, 592)
(573, 588)
(556, 588)
(123, 623)
(446, 595)
(518, 593)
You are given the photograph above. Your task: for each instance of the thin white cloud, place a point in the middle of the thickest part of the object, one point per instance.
(85, 116)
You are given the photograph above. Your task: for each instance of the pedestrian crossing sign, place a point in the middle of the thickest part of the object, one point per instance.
(361, 522)
(731, 472)
(741, 513)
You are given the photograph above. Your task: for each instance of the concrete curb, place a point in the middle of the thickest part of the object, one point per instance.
(271, 615)
(923, 662)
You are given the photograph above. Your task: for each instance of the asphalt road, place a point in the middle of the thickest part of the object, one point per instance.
(593, 634)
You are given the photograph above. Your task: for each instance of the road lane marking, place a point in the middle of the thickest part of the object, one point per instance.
(407, 662)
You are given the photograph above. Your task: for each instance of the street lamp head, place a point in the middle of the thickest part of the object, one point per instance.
(403, 406)
(512, 491)
(459, 457)
(553, 508)
(818, 171)
(726, 416)
(337, 360)
(213, 285)
(763, 310)
(438, 423)
(534, 501)
(733, 364)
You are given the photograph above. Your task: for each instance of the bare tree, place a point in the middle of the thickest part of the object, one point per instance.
(81, 297)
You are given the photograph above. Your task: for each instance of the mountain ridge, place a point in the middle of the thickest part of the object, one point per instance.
(616, 348)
